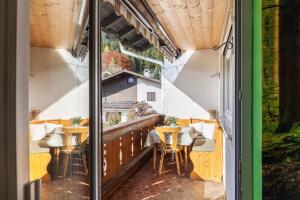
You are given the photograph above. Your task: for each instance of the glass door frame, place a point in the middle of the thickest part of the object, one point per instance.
(248, 76)
(96, 129)
(257, 99)
(245, 48)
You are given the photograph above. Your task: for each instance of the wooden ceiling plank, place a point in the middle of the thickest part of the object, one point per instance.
(53, 22)
(164, 18)
(170, 21)
(182, 18)
(222, 11)
(206, 9)
(194, 10)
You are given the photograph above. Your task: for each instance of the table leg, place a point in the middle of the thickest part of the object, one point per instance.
(66, 156)
(185, 158)
(154, 157)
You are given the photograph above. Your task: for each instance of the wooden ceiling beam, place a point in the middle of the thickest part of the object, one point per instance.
(110, 20)
(136, 40)
(123, 32)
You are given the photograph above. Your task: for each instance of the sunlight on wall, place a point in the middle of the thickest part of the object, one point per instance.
(188, 89)
(70, 105)
(177, 103)
(59, 85)
(79, 69)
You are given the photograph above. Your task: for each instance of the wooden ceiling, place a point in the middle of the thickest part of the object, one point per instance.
(192, 24)
(53, 23)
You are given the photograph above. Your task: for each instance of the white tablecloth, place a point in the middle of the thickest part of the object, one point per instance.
(186, 137)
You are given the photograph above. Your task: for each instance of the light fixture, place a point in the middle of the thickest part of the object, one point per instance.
(130, 80)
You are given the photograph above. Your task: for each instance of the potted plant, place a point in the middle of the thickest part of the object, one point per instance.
(76, 121)
(171, 121)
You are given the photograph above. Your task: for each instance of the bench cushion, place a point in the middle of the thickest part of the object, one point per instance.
(198, 127)
(50, 127)
(36, 148)
(208, 130)
(37, 131)
(203, 145)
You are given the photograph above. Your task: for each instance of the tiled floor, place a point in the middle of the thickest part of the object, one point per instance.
(144, 185)
(72, 187)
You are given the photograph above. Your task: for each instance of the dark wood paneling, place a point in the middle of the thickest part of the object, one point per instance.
(124, 151)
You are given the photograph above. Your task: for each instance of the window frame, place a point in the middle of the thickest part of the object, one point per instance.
(228, 82)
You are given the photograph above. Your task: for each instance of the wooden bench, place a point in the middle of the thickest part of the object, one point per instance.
(39, 157)
(207, 159)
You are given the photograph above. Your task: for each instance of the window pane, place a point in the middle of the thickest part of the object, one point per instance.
(150, 96)
(59, 98)
(228, 87)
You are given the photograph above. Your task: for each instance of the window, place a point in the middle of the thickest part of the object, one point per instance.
(228, 92)
(228, 87)
(150, 96)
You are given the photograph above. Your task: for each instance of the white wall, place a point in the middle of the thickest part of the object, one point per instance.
(188, 89)
(144, 86)
(124, 114)
(59, 85)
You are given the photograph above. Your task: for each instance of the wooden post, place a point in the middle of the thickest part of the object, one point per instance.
(186, 158)
(154, 157)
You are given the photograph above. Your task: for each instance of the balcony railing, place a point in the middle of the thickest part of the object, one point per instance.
(124, 151)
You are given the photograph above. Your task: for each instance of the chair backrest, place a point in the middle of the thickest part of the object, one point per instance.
(183, 122)
(174, 131)
(64, 122)
(187, 122)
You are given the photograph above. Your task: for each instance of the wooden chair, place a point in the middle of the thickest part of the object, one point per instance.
(170, 148)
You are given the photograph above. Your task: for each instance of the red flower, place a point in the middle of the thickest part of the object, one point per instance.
(115, 58)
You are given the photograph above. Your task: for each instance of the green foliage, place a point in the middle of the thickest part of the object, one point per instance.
(76, 120)
(270, 85)
(114, 119)
(109, 42)
(170, 120)
(281, 161)
(139, 65)
(280, 151)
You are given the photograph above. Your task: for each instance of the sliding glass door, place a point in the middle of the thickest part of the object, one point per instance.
(60, 92)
